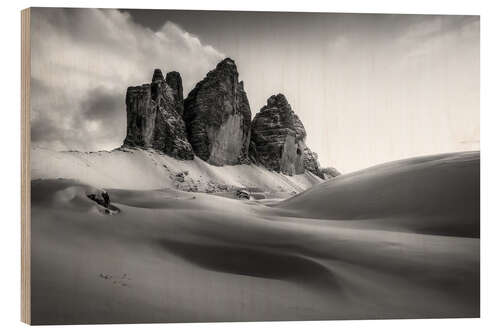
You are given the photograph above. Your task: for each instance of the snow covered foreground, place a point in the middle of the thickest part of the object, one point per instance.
(399, 240)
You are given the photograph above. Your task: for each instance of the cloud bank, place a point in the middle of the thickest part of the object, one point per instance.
(368, 88)
(83, 60)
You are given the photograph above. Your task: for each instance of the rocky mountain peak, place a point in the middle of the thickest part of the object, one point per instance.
(214, 122)
(174, 81)
(227, 64)
(218, 116)
(278, 139)
(157, 75)
(154, 118)
(278, 101)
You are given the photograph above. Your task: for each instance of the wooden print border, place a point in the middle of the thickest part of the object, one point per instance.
(25, 168)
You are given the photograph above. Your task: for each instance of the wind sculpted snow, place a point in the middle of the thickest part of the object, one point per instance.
(327, 253)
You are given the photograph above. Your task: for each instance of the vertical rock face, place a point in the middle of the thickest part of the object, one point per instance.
(214, 122)
(278, 139)
(174, 81)
(153, 120)
(140, 116)
(218, 117)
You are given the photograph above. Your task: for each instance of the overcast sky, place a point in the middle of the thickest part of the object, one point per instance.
(368, 88)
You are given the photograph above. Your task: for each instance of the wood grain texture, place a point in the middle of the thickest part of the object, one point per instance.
(25, 168)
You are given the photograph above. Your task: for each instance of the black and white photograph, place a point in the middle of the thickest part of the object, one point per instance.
(232, 166)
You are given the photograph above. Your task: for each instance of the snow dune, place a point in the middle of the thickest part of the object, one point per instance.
(350, 248)
(434, 194)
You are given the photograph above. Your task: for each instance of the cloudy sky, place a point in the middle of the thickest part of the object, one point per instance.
(368, 88)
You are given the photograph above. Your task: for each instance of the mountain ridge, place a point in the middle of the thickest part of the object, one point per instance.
(214, 122)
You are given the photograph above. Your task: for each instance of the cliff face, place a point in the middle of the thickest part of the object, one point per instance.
(214, 122)
(174, 81)
(278, 139)
(218, 117)
(154, 119)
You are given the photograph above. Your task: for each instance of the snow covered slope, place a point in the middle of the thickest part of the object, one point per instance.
(436, 194)
(399, 240)
(147, 169)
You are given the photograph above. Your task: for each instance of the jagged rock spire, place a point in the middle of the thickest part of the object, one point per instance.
(214, 122)
(153, 120)
(278, 139)
(174, 81)
(218, 116)
(157, 75)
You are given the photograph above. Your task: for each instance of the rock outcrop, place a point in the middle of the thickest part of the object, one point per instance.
(311, 162)
(330, 173)
(278, 139)
(154, 116)
(218, 117)
(174, 81)
(214, 123)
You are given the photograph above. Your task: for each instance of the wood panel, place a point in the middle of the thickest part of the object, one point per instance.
(25, 167)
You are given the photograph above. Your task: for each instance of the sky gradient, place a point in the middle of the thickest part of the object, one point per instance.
(368, 88)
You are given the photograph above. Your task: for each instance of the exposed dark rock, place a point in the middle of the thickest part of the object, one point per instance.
(218, 117)
(157, 75)
(102, 199)
(311, 162)
(278, 139)
(153, 120)
(179, 177)
(243, 194)
(174, 81)
(214, 122)
(330, 172)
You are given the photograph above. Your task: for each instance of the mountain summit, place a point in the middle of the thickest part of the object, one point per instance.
(218, 117)
(278, 139)
(154, 119)
(214, 123)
